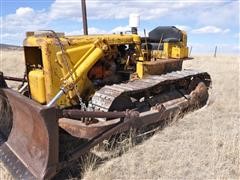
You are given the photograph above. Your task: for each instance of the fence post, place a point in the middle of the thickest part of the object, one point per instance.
(215, 52)
(190, 51)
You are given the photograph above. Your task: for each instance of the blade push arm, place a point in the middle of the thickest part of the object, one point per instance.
(83, 65)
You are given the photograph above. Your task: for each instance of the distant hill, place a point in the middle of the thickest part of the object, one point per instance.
(10, 47)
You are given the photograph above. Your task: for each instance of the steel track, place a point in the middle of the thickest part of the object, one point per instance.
(103, 99)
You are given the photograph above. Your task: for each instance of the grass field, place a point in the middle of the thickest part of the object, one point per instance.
(205, 144)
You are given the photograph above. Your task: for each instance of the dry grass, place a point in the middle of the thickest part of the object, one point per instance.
(12, 64)
(202, 145)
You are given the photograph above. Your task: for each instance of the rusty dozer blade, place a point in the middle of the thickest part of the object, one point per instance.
(31, 150)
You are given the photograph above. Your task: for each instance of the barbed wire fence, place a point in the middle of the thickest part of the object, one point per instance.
(214, 52)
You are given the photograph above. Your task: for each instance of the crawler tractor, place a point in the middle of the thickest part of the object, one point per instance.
(89, 88)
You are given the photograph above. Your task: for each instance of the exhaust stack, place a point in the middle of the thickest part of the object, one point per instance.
(84, 17)
(134, 21)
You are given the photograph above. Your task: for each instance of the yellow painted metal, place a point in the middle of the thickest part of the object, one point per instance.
(179, 52)
(37, 85)
(82, 67)
(73, 56)
(67, 64)
(68, 68)
(140, 69)
(175, 50)
(47, 68)
(167, 49)
(140, 55)
(171, 51)
(111, 39)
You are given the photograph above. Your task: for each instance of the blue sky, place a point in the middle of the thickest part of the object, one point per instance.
(207, 23)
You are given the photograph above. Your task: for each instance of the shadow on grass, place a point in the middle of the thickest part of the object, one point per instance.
(114, 147)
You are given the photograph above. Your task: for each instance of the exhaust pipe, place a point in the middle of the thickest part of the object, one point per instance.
(134, 21)
(84, 17)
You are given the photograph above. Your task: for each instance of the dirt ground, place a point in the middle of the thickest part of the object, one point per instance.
(205, 144)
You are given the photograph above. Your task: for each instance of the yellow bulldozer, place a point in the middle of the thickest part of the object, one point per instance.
(89, 88)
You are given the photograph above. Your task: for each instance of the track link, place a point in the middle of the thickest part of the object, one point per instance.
(103, 99)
